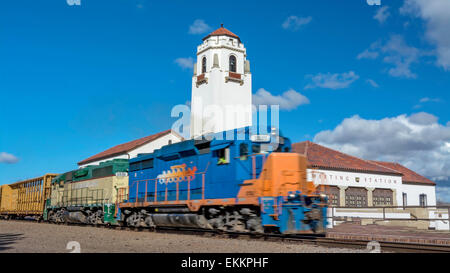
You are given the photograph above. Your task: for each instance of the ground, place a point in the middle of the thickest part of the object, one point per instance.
(32, 237)
(399, 234)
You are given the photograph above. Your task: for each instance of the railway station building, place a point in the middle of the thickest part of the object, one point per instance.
(355, 182)
(131, 149)
(369, 192)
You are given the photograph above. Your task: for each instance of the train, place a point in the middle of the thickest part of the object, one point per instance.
(233, 181)
(88, 195)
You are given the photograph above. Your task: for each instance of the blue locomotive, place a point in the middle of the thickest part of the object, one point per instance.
(252, 183)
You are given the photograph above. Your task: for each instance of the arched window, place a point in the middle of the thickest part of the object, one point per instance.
(232, 63)
(204, 65)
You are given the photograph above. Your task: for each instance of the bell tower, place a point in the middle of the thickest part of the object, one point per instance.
(221, 85)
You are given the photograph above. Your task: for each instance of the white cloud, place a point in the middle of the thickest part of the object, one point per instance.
(332, 81)
(382, 14)
(373, 83)
(199, 27)
(426, 99)
(396, 53)
(8, 158)
(423, 118)
(367, 54)
(294, 22)
(185, 63)
(289, 100)
(417, 141)
(399, 54)
(436, 14)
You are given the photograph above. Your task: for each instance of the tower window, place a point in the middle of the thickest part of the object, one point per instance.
(232, 63)
(204, 65)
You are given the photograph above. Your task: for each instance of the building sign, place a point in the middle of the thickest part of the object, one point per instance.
(338, 178)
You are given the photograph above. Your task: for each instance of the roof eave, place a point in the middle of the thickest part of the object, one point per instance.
(419, 183)
(84, 162)
(228, 35)
(354, 170)
(125, 152)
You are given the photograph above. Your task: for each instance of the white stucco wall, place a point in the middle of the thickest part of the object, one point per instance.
(156, 144)
(414, 191)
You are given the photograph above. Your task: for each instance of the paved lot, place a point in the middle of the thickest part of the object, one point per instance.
(22, 236)
(389, 233)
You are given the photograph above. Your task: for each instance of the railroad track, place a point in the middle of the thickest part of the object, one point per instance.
(378, 246)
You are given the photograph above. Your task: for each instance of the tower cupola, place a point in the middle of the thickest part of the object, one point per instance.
(221, 79)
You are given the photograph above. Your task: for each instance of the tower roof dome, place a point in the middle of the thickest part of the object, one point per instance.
(222, 32)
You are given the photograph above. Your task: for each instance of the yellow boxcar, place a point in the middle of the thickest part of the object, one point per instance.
(25, 198)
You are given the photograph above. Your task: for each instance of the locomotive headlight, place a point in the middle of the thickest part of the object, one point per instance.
(291, 195)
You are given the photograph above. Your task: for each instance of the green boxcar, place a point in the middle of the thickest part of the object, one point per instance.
(88, 195)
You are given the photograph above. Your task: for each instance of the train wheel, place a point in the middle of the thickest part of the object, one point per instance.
(134, 220)
(254, 224)
(234, 221)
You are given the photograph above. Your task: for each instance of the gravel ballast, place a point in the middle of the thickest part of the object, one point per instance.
(32, 237)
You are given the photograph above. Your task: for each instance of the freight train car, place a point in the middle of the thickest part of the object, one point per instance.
(25, 198)
(88, 195)
(252, 185)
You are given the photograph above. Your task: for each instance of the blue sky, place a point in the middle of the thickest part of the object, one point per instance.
(78, 79)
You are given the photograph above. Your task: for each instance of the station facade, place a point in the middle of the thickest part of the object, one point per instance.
(354, 182)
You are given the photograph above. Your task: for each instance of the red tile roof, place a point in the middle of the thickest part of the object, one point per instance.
(123, 148)
(222, 31)
(323, 157)
(408, 175)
